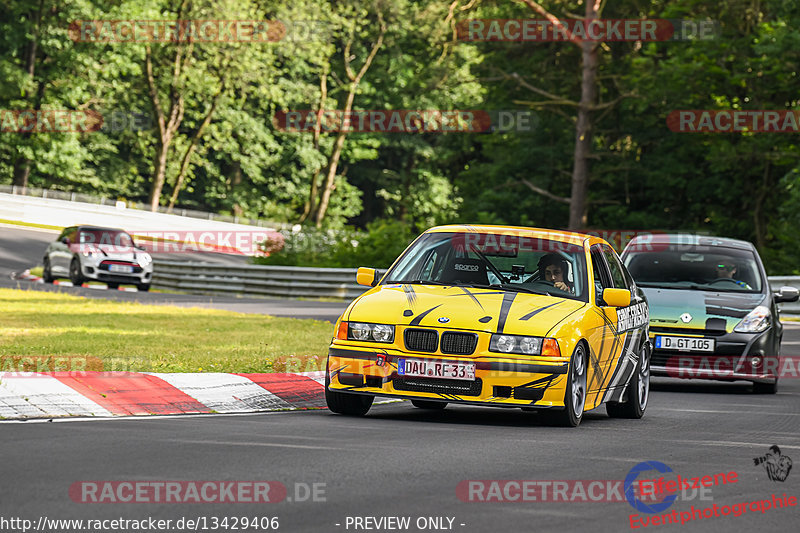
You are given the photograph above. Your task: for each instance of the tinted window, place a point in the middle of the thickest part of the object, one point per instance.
(681, 266)
(614, 264)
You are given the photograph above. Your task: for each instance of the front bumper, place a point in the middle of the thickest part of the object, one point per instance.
(100, 272)
(499, 382)
(731, 360)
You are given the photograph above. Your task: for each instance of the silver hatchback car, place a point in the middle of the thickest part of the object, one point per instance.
(90, 253)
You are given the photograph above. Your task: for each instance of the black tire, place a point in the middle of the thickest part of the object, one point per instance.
(429, 404)
(47, 275)
(638, 391)
(113, 286)
(574, 395)
(344, 403)
(75, 275)
(143, 287)
(765, 388)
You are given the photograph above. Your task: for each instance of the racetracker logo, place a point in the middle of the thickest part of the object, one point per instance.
(600, 30)
(177, 492)
(49, 121)
(256, 242)
(406, 121)
(160, 31)
(727, 121)
(556, 490)
(33, 366)
(709, 367)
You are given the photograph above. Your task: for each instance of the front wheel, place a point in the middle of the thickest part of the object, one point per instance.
(143, 287)
(575, 393)
(344, 403)
(638, 391)
(47, 274)
(75, 275)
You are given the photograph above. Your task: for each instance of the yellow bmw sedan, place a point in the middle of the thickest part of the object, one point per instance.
(496, 316)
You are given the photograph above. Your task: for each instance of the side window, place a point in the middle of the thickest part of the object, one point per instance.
(617, 275)
(602, 277)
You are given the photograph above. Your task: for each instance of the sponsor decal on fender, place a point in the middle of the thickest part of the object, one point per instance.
(632, 317)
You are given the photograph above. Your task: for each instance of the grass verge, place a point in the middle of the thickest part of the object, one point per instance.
(42, 331)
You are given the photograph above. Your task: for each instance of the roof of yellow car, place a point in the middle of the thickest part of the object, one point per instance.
(538, 233)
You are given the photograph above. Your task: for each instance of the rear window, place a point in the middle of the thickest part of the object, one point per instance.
(712, 268)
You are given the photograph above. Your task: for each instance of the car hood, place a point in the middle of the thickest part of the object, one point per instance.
(466, 308)
(708, 309)
(113, 252)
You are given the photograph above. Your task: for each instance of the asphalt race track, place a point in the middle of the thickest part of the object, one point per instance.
(399, 461)
(23, 248)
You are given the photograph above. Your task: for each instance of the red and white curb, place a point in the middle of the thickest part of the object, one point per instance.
(106, 394)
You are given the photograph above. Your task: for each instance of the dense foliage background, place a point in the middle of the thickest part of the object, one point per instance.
(219, 150)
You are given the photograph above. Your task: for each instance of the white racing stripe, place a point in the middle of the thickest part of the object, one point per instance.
(224, 393)
(29, 395)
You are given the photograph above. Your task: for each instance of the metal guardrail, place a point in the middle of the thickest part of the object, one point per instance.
(303, 282)
(261, 280)
(53, 194)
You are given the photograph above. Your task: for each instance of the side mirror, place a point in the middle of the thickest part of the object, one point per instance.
(65, 240)
(786, 294)
(617, 297)
(367, 276)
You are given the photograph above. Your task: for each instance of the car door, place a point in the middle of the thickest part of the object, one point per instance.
(60, 254)
(630, 322)
(602, 336)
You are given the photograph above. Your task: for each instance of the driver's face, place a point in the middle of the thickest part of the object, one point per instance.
(553, 274)
(725, 271)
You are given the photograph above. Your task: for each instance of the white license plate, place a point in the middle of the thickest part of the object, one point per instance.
(125, 269)
(688, 344)
(433, 368)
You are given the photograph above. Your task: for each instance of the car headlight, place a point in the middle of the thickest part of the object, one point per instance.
(516, 344)
(144, 259)
(756, 321)
(363, 331)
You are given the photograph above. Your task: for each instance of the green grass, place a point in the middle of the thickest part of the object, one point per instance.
(51, 331)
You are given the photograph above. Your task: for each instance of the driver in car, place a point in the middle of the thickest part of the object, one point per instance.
(726, 270)
(552, 268)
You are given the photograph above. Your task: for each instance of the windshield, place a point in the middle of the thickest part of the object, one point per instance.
(508, 262)
(105, 236)
(680, 266)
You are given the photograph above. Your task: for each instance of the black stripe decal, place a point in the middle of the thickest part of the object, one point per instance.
(419, 317)
(537, 311)
(508, 299)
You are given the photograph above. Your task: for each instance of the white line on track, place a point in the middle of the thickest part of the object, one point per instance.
(759, 413)
(728, 444)
(266, 444)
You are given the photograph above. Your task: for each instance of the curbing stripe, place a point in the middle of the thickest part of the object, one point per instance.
(225, 393)
(42, 395)
(131, 393)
